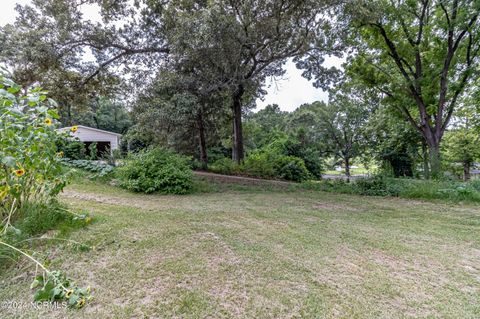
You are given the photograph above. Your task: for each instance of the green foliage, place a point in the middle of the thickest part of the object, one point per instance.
(100, 169)
(394, 142)
(35, 218)
(461, 147)
(112, 157)
(260, 164)
(55, 286)
(266, 163)
(92, 152)
(156, 170)
(30, 166)
(224, 166)
(422, 56)
(71, 148)
(104, 113)
(377, 185)
(290, 134)
(402, 187)
(291, 168)
(31, 176)
(475, 184)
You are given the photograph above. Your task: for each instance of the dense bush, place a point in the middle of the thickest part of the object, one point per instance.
(156, 170)
(265, 164)
(475, 184)
(224, 166)
(291, 168)
(377, 186)
(260, 164)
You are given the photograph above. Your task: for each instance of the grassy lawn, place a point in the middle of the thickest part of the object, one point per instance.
(248, 253)
(360, 170)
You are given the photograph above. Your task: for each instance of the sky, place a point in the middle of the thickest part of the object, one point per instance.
(289, 92)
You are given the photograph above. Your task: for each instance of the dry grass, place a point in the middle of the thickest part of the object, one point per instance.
(272, 254)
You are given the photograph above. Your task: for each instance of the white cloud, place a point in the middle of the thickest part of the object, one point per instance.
(293, 90)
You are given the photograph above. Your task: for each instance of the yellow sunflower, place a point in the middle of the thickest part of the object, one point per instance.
(74, 128)
(81, 303)
(48, 121)
(19, 172)
(68, 293)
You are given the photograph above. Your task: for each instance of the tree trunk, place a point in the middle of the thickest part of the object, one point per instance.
(347, 168)
(426, 168)
(69, 114)
(434, 159)
(466, 171)
(237, 147)
(202, 142)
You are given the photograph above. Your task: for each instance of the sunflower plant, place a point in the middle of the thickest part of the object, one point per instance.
(31, 172)
(30, 168)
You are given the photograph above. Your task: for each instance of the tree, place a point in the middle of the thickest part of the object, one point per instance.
(462, 140)
(461, 146)
(394, 142)
(265, 125)
(341, 125)
(180, 111)
(243, 42)
(39, 50)
(104, 113)
(421, 55)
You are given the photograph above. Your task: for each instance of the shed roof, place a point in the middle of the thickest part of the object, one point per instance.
(67, 128)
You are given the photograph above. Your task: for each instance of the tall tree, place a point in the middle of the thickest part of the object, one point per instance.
(38, 49)
(180, 111)
(341, 124)
(421, 55)
(243, 42)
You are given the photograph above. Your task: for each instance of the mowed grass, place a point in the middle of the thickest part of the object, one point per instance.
(248, 253)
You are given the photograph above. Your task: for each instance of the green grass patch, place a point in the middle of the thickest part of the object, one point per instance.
(251, 252)
(401, 187)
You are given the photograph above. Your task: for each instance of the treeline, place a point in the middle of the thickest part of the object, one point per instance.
(190, 72)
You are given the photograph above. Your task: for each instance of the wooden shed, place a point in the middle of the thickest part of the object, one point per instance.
(105, 140)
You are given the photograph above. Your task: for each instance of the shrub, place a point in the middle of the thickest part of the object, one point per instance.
(260, 164)
(265, 164)
(377, 185)
(224, 166)
(475, 184)
(401, 187)
(291, 168)
(157, 169)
